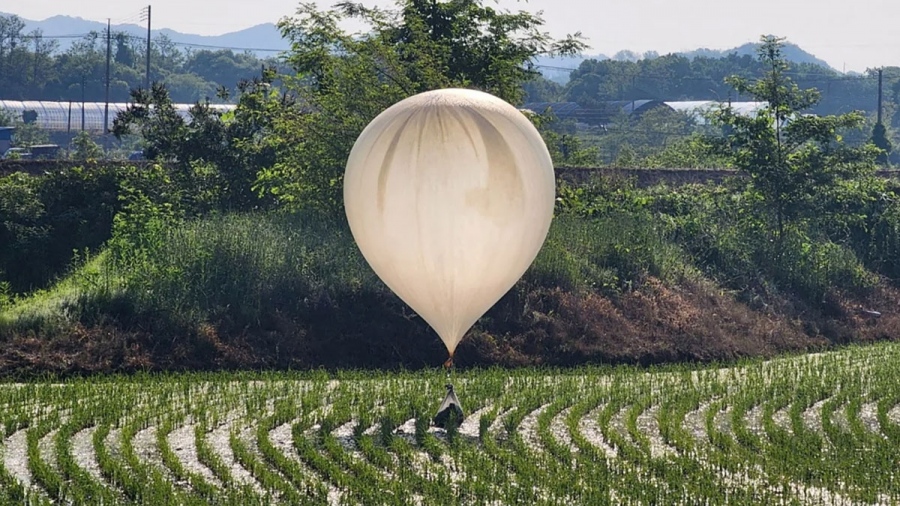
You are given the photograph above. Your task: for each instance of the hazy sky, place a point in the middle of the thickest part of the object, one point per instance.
(851, 35)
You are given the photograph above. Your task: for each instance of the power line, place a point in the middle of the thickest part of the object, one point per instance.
(213, 46)
(69, 36)
(231, 48)
(140, 38)
(134, 18)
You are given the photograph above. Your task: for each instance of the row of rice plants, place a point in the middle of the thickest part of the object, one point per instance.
(679, 435)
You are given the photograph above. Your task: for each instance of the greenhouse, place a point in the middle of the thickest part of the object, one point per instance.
(75, 116)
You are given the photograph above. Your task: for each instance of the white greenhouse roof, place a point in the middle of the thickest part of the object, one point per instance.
(64, 116)
(697, 108)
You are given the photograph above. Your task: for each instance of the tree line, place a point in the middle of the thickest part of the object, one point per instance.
(32, 66)
(676, 77)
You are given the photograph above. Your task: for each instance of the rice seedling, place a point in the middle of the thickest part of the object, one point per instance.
(817, 429)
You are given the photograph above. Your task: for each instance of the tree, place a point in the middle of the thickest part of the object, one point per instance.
(644, 135)
(85, 147)
(565, 147)
(216, 155)
(794, 161)
(165, 54)
(222, 67)
(30, 134)
(11, 28)
(880, 140)
(152, 114)
(344, 80)
(124, 55)
(541, 89)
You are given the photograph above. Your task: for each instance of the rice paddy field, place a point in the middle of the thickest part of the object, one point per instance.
(813, 429)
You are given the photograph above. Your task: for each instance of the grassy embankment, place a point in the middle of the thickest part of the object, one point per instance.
(626, 275)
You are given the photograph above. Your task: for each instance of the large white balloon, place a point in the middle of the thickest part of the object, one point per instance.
(449, 195)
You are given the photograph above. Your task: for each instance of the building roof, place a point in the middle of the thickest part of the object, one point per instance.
(634, 106)
(65, 116)
(598, 115)
(697, 108)
(560, 109)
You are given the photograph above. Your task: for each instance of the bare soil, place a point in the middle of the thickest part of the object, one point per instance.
(654, 324)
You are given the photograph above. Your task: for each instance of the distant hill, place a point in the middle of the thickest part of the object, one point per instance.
(264, 36)
(792, 52)
(558, 69)
(267, 36)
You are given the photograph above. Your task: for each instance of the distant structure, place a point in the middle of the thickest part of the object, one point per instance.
(699, 108)
(604, 114)
(70, 117)
(6, 134)
(601, 115)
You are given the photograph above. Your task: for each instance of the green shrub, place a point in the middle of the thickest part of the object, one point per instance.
(608, 254)
(242, 267)
(24, 233)
(727, 233)
(44, 219)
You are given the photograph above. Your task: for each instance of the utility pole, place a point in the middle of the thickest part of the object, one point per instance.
(108, 56)
(37, 50)
(82, 102)
(147, 76)
(880, 72)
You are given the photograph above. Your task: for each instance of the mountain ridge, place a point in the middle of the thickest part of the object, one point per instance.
(558, 68)
(265, 40)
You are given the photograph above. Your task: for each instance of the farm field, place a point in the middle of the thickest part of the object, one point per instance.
(814, 429)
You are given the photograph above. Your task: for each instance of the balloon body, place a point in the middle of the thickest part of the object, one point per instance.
(449, 195)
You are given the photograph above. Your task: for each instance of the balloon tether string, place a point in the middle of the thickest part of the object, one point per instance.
(448, 366)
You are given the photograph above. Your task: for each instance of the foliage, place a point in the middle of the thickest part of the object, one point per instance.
(541, 89)
(29, 134)
(242, 268)
(33, 67)
(693, 152)
(703, 77)
(566, 148)
(44, 219)
(630, 140)
(727, 233)
(793, 160)
(614, 253)
(344, 80)
(23, 235)
(881, 141)
(149, 203)
(85, 147)
(217, 155)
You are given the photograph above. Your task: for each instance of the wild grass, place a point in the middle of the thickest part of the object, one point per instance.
(609, 254)
(246, 268)
(83, 296)
(613, 250)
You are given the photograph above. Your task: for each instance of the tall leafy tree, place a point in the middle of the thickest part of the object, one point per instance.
(216, 155)
(881, 141)
(794, 161)
(343, 80)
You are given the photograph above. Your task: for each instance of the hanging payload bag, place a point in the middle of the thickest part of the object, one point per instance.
(449, 408)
